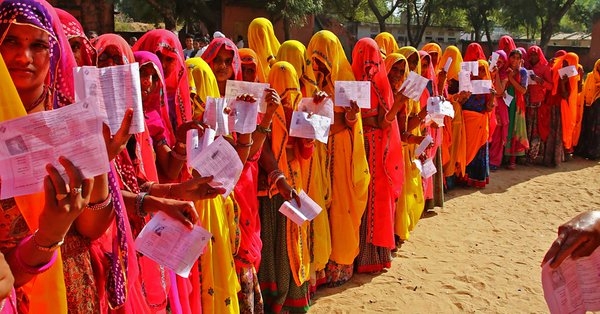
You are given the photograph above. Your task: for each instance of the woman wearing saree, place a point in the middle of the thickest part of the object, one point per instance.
(435, 51)
(589, 141)
(346, 163)
(383, 151)
(500, 133)
(167, 47)
(516, 141)
(262, 39)
(433, 187)
(36, 225)
(315, 183)
(453, 145)
(387, 43)
(284, 272)
(568, 108)
(542, 76)
(475, 112)
(82, 48)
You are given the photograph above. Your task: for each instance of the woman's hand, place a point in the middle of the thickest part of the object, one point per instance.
(115, 144)
(6, 278)
(319, 97)
(182, 211)
(246, 98)
(352, 110)
(287, 192)
(194, 189)
(181, 133)
(273, 101)
(577, 238)
(64, 202)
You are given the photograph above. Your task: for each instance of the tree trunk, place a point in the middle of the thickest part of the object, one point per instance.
(168, 13)
(378, 15)
(286, 28)
(486, 26)
(552, 21)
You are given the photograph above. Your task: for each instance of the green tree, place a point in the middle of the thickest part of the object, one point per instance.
(379, 7)
(293, 12)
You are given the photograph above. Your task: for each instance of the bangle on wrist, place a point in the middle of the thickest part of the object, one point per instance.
(350, 119)
(262, 129)
(51, 248)
(273, 176)
(139, 204)
(147, 187)
(99, 206)
(388, 120)
(245, 145)
(20, 265)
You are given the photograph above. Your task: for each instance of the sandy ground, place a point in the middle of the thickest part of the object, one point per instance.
(481, 253)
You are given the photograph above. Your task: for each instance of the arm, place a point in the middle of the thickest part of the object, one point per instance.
(517, 85)
(386, 117)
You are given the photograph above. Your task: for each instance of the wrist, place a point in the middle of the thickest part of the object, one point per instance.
(47, 242)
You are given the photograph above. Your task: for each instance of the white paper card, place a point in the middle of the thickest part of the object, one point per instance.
(507, 99)
(569, 71)
(221, 161)
(195, 144)
(573, 286)
(116, 89)
(471, 66)
(437, 105)
(531, 81)
(216, 117)
(423, 145)
(29, 143)
(438, 118)
(300, 214)
(413, 86)
(169, 243)
(244, 116)
(481, 87)
(233, 89)
(427, 168)
(360, 91)
(464, 81)
(313, 127)
(494, 60)
(448, 64)
(324, 108)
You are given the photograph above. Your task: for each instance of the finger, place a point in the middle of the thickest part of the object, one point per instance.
(74, 174)
(192, 213)
(566, 249)
(86, 190)
(585, 249)
(57, 181)
(49, 191)
(203, 180)
(551, 253)
(125, 124)
(295, 196)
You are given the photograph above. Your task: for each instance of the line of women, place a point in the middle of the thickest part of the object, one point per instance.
(70, 249)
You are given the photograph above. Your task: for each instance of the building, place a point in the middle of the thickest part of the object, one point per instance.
(442, 35)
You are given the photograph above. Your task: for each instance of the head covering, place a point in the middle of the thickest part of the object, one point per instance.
(202, 84)
(294, 52)
(408, 51)
(41, 15)
(248, 56)
(525, 57)
(454, 53)
(113, 40)
(366, 57)
(386, 42)
(394, 58)
(213, 49)
(537, 51)
(157, 101)
(327, 48)
(502, 70)
(433, 47)
(474, 52)
(591, 89)
(429, 72)
(218, 34)
(507, 44)
(73, 29)
(167, 44)
(568, 111)
(559, 53)
(262, 39)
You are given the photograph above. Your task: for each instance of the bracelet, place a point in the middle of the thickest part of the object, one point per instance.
(178, 156)
(262, 129)
(31, 270)
(139, 204)
(99, 206)
(273, 176)
(147, 186)
(279, 177)
(350, 120)
(245, 145)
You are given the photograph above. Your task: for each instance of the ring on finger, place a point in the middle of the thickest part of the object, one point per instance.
(75, 191)
(61, 196)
